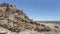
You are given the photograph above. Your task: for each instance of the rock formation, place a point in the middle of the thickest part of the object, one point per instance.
(15, 21)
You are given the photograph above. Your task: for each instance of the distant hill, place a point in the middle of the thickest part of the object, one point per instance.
(49, 21)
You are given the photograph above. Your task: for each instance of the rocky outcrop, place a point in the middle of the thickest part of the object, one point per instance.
(15, 20)
(6, 31)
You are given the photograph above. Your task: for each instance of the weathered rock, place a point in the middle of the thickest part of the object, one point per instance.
(15, 20)
(5, 31)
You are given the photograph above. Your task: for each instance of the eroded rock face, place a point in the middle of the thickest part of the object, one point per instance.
(12, 18)
(15, 20)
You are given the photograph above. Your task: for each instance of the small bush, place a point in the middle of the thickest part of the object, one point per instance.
(6, 15)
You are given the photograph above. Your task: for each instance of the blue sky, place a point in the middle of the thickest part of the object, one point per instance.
(42, 10)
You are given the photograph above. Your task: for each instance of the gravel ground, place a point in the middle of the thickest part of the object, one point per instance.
(34, 32)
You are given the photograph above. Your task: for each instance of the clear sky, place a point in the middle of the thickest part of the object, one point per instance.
(44, 10)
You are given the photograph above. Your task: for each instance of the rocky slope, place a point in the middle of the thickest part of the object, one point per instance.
(15, 21)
